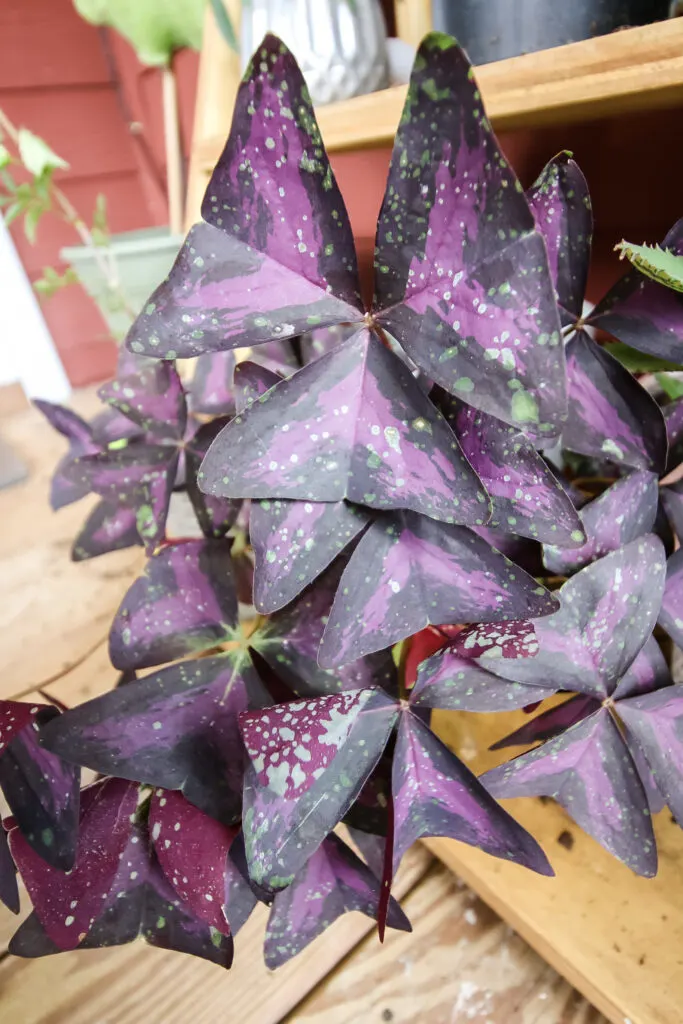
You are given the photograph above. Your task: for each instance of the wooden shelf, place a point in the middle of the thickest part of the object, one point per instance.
(636, 69)
(615, 936)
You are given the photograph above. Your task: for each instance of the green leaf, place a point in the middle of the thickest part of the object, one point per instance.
(225, 26)
(638, 362)
(13, 212)
(36, 155)
(155, 28)
(5, 157)
(52, 281)
(671, 386)
(659, 264)
(31, 220)
(100, 225)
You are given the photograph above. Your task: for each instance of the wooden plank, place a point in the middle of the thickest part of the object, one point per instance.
(618, 938)
(137, 983)
(638, 69)
(413, 20)
(460, 963)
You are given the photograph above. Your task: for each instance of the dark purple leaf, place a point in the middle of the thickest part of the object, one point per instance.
(42, 792)
(193, 852)
(110, 425)
(672, 501)
(495, 640)
(154, 398)
(308, 761)
(333, 882)
(211, 391)
(526, 498)
(68, 905)
(251, 381)
(9, 891)
(436, 795)
(16, 715)
(109, 527)
(409, 572)
(649, 671)
(610, 415)
(461, 276)
(184, 603)
(673, 417)
(608, 611)
(354, 424)
(176, 729)
(370, 810)
(318, 343)
(550, 723)
(655, 722)
(63, 489)
(294, 542)
(644, 314)
(671, 612)
(277, 356)
(214, 515)
(561, 205)
(590, 772)
(371, 847)
(625, 511)
(276, 257)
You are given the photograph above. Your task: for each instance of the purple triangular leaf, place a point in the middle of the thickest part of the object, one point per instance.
(371, 847)
(294, 542)
(15, 715)
(461, 275)
(154, 398)
(590, 772)
(550, 723)
(672, 502)
(623, 512)
(436, 795)
(276, 257)
(111, 425)
(42, 792)
(211, 391)
(176, 729)
(251, 381)
(610, 415)
(333, 882)
(673, 417)
(655, 721)
(409, 572)
(318, 343)
(515, 639)
(193, 852)
(649, 671)
(560, 202)
(64, 490)
(608, 611)
(526, 498)
(307, 763)
(185, 602)
(356, 426)
(109, 527)
(671, 612)
(644, 314)
(214, 515)
(9, 890)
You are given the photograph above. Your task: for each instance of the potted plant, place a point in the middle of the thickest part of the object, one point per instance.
(362, 504)
(156, 31)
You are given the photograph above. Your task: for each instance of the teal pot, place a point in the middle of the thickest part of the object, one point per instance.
(142, 259)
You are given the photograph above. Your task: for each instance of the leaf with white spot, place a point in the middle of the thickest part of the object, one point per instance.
(655, 722)
(671, 612)
(154, 398)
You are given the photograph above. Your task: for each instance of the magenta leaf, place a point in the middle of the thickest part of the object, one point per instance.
(154, 398)
(436, 795)
(495, 640)
(176, 729)
(461, 275)
(185, 602)
(294, 542)
(308, 761)
(193, 852)
(655, 722)
(211, 392)
(15, 715)
(561, 205)
(644, 314)
(356, 426)
(408, 572)
(278, 239)
(109, 527)
(610, 415)
(526, 498)
(550, 723)
(590, 772)
(608, 611)
(333, 882)
(623, 512)
(251, 381)
(671, 612)
(9, 891)
(42, 792)
(215, 515)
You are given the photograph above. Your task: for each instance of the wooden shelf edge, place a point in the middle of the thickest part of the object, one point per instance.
(637, 69)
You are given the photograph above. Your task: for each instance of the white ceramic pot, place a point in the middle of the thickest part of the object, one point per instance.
(341, 45)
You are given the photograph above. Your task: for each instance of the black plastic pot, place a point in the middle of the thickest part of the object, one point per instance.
(494, 29)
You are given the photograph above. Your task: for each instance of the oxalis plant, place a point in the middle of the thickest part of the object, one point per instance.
(448, 500)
